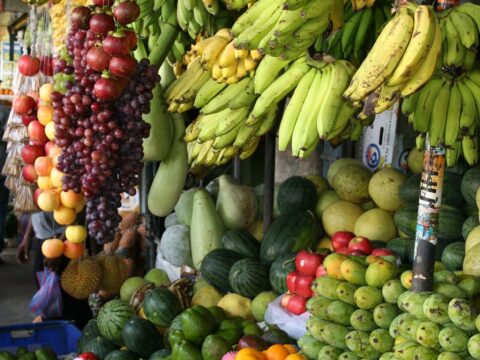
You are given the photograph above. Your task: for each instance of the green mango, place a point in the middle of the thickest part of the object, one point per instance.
(363, 320)
(45, 354)
(473, 346)
(340, 312)
(231, 335)
(348, 355)
(453, 339)
(328, 353)
(392, 290)
(477, 323)
(405, 351)
(316, 327)
(379, 272)
(462, 314)
(175, 337)
(435, 308)
(445, 276)
(471, 285)
(218, 313)
(353, 271)
(334, 335)
(425, 353)
(399, 324)
(197, 324)
(357, 340)
(345, 292)
(384, 314)
(408, 328)
(186, 350)
(326, 287)
(427, 334)
(412, 302)
(388, 356)
(229, 324)
(317, 306)
(310, 346)
(367, 297)
(214, 347)
(5, 355)
(446, 355)
(381, 341)
(250, 327)
(449, 290)
(369, 353)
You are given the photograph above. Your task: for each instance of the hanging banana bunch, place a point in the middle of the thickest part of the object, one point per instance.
(403, 58)
(361, 4)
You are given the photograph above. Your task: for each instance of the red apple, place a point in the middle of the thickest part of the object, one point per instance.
(307, 262)
(320, 271)
(28, 65)
(36, 194)
(383, 252)
(23, 104)
(303, 285)
(297, 305)
(361, 244)
(28, 173)
(36, 132)
(342, 250)
(31, 152)
(285, 299)
(27, 119)
(291, 277)
(341, 239)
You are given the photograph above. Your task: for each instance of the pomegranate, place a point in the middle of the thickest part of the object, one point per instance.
(126, 12)
(123, 66)
(107, 88)
(116, 44)
(80, 17)
(104, 2)
(101, 23)
(98, 59)
(28, 65)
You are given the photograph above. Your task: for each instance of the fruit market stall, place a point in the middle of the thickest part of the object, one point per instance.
(152, 130)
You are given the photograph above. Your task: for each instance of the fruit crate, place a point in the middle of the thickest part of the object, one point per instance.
(60, 336)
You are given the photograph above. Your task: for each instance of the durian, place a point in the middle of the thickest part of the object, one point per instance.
(81, 277)
(114, 273)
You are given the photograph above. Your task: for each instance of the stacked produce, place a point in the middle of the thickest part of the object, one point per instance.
(99, 122)
(22, 353)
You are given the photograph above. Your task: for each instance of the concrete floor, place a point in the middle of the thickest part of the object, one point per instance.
(16, 290)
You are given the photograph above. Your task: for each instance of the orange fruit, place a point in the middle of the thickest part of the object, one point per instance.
(249, 354)
(291, 349)
(45, 114)
(276, 352)
(48, 201)
(71, 199)
(296, 357)
(52, 248)
(64, 215)
(72, 250)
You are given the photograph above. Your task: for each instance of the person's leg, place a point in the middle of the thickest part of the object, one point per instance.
(3, 211)
(38, 259)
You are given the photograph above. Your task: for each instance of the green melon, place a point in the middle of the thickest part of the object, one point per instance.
(376, 224)
(130, 286)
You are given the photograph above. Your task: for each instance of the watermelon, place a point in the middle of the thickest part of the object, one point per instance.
(242, 242)
(296, 194)
(161, 306)
(112, 317)
(160, 354)
(403, 248)
(141, 337)
(289, 232)
(100, 346)
(89, 332)
(248, 278)
(216, 267)
(121, 355)
(469, 224)
(453, 255)
(470, 184)
(281, 267)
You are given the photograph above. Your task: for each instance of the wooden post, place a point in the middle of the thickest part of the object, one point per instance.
(237, 169)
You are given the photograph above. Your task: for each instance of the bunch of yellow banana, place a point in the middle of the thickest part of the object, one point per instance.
(360, 4)
(58, 18)
(447, 110)
(353, 41)
(460, 36)
(283, 28)
(403, 58)
(181, 93)
(309, 118)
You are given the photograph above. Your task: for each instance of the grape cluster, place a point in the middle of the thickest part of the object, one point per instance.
(101, 139)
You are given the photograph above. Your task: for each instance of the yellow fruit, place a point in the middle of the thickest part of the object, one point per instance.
(48, 201)
(71, 199)
(45, 114)
(79, 207)
(325, 243)
(45, 92)
(52, 248)
(384, 188)
(64, 215)
(56, 177)
(50, 130)
(76, 233)
(44, 182)
(340, 216)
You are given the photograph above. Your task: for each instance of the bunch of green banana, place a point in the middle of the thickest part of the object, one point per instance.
(447, 110)
(195, 16)
(360, 4)
(460, 37)
(282, 28)
(236, 4)
(181, 93)
(309, 118)
(353, 41)
(403, 58)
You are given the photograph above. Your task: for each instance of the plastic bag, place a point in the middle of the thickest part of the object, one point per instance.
(47, 301)
(294, 325)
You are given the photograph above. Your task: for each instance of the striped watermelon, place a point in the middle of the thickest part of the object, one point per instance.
(112, 317)
(248, 278)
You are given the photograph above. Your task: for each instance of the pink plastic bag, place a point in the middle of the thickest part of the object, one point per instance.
(47, 301)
